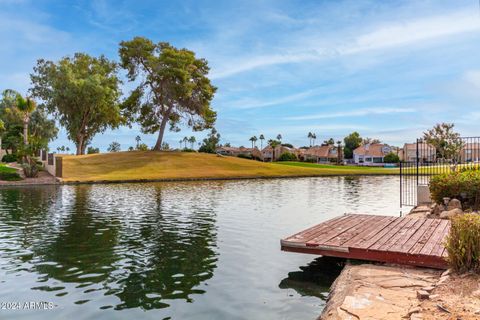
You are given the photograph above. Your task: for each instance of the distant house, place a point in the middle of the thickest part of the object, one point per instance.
(320, 154)
(426, 152)
(269, 154)
(470, 153)
(371, 154)
(235, 152)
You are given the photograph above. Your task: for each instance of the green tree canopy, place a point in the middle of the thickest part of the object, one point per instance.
(446, 141)
(82, 92)
(391, 158)
(20, 118)
(352, 141)
(173, 87)
(210, 143)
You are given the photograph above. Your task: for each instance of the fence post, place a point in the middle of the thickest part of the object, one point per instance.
(417, 160)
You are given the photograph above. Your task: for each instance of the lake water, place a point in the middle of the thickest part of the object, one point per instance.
(191, 250)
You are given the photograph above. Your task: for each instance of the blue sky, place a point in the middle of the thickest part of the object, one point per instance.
(388, 69)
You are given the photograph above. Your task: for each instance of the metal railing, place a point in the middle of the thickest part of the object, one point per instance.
(423, 160)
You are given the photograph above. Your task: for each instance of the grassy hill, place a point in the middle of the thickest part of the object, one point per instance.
(149, 165)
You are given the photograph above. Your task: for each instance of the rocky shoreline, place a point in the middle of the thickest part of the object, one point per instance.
(373, 291)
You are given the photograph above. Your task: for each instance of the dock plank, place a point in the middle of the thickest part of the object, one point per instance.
(390, 239)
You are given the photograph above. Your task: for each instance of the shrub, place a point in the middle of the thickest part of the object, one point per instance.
(92, 150)
(463, 243)
(287, 156)
(464, 186)
(391, 158)
(142, 147)
(245, 156)
(9, 158)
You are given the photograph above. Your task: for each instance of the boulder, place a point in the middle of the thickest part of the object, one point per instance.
(421, 294)
(454, 204)
(450, 213)
(437, 209)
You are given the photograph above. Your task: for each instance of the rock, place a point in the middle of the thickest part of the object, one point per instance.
(422, 294)
(454, 204)
(413, 310)
(443, 279)
(437, 209)
(446, 273)
(451, 213)
(416, 316)
(428, 289)
(434, 296)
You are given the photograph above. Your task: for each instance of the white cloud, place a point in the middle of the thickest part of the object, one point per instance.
(353, 113)
(419, 30)
(387, 36)
(249, 103)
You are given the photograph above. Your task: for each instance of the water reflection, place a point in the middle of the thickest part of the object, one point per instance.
(144, 252)
(203, 250)
(315, 278)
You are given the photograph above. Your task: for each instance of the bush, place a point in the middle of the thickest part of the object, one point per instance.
(463, 243)
(92, 150)
(9, 158)
(391, 158)
(142, 147)
(245, 156)
(188, 150)
(464, 186)
(287, 156)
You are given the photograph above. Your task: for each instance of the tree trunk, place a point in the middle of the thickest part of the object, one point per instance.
(158, 145)
(79, 145)
(25, 132)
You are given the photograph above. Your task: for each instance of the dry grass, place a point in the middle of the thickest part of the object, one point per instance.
(150, 165)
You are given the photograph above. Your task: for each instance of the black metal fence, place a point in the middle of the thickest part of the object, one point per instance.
(421, 161)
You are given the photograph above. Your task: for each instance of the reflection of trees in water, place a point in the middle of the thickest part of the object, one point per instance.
(82, 248)
(144, 256)
(176, 250)
(314, 279)
(352, 188)
(23, 213)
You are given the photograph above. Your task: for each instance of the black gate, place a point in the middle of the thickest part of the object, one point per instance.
(421, 161)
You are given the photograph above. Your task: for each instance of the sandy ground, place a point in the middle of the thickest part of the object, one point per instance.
(456, 298)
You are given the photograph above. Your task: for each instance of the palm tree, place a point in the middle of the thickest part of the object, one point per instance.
(185, 140)
(279, 137)
(339, 152)
(314, 137)
(310, 136)
(180, 141)
(261, 141)
(255, 141)
(251, 140)
(192, 140)
(26, 106)
(274, 144)
(138, 139)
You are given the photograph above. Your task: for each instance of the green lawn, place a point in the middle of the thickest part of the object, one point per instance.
(8, 174)
(349, 169)
(150, 165)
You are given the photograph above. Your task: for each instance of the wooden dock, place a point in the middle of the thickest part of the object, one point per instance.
(410, 241)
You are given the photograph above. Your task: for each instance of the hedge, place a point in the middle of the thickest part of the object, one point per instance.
(464, 186)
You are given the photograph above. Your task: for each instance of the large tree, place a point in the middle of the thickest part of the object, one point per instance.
(23, 124)
(82, 92)
(446, 141)
(352, 141)
(173, 86)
